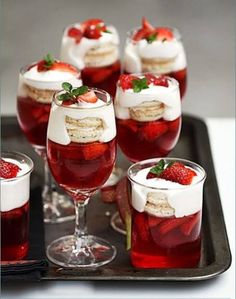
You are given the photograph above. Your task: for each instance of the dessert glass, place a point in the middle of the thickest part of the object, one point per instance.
(96, 57)
(166, 221)
(148, 122)
(81, 168)
(15, 209)
(141, 56)
(34, 99)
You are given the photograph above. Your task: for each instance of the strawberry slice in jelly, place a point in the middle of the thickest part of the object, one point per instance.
(94, 150)
(141, 224)
(189, 226)
(171, 224)
(153, 130)
(8, 170)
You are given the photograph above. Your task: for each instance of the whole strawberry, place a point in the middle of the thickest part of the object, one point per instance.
(8, 170)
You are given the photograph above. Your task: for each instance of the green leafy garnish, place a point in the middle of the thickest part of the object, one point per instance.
(151, 38)
(107, 31)
(139, 84)
(158, 169)
(71, 93)
(48, 60)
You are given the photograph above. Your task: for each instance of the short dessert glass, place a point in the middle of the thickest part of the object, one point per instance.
(15, 209)
(159, 241)
(140, 140)
(176, 69)
(81, 169)
(33, 118)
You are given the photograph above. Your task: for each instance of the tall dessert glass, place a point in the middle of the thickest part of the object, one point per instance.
(81, 151)
(93, 47)
(148, 116)
(166, 196)
(156, 49)
(15, 170)
(37, 84)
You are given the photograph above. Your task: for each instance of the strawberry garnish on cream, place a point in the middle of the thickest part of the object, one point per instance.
(8, 170)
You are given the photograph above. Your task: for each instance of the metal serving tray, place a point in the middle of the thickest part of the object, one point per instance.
(215, 254)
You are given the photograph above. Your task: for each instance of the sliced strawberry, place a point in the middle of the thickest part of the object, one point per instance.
(174, 125)
(171, 224)
(94, 150)
(154, 221)
(142, 226)
(188, 226)
(100, 75)
(8, 170)
(179, 174)
(41, 66)
(93, 28)
(146, 25)
(154, 130)
(151, 175)
(92, 33)
(88, 97)
(122, 199)
(67, 103)
(92, 22)
(63, 67)
(164, 34)
(75, 33)
(125, 81)
(157, 80)
(130, 124)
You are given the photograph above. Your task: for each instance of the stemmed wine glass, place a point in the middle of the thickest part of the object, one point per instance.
(37, 83)
(148, 117)
(81, 150)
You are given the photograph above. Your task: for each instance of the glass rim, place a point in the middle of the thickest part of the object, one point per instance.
(98, 90)
(173, 29)
(149, 161)
(28, 160)
(173, 80)
(25, 68)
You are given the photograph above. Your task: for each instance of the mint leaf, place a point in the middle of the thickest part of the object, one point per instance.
(48, 60)
(107, 31)
(170, 164)
(67, 86)
(158, 169)
(151, 38)
(80, 90)
(139, 84)
(64, 97)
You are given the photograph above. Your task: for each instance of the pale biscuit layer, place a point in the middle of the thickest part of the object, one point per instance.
(101, 55)
(157, 205)
(147, 111)
(43, 96)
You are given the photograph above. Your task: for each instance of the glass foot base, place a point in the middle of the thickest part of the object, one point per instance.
(117, 223)
(57, 208)
(93, 252)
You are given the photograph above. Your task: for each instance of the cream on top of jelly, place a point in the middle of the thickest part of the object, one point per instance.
(135, 51)
(15, 191)
(57, 131)
(185, 199)
(74, 53)
(169, 96)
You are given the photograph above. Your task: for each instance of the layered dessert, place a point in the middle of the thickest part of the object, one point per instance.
(156, 49)
(15, 183)
(37, 84)
(93, 47)
(166, 222)
(148, 113)
(81, 138)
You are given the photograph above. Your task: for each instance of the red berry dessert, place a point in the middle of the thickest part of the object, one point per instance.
(166, 218)
(156, 49)
(93, 47)
(148, 115)
(37, 84)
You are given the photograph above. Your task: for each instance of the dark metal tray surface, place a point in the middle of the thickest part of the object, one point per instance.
(215, 253)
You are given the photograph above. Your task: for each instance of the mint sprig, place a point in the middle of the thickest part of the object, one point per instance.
(158, 169)
(139, 84)
(71, 93)
(48, 61)
(151, 38)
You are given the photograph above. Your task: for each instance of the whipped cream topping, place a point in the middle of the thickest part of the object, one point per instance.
(137, 51)
(185, 199)
(169, 96)
(74, 53)
(15, 191)
(57, 131)
(51, 79)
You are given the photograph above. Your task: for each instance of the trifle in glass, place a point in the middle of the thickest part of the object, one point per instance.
(166, 196)
(15, 169)
(81, 152)
(93, 47)
(37, 83)
(156, 49)
(148, 114)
